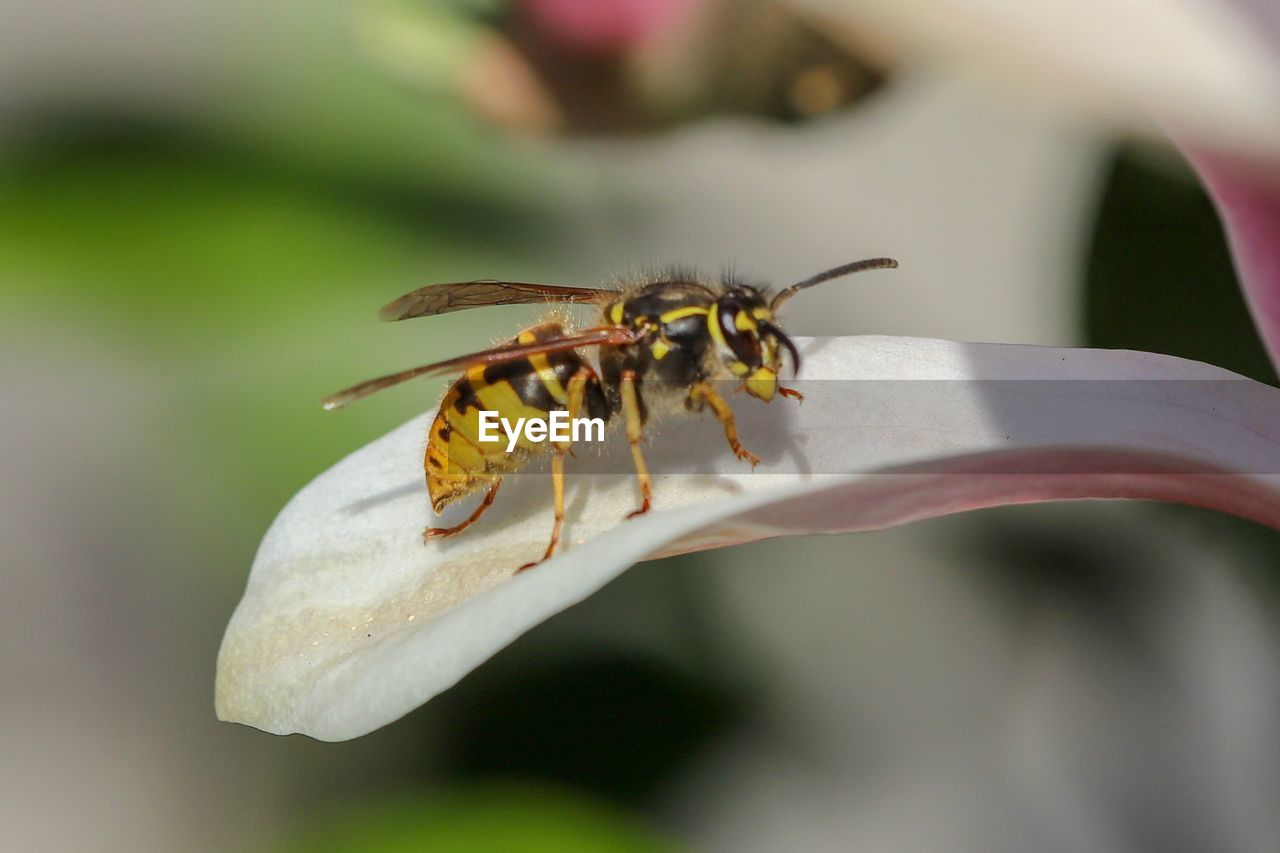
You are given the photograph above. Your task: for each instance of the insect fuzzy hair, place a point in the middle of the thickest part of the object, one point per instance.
(647, 274)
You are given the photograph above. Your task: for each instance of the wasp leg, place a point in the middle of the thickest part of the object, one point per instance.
(577, 391)
(700, 392)
(557, 484)
(792, 393)
(432, 532)
(635, 429)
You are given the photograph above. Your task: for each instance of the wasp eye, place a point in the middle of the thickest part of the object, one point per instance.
(745, 344)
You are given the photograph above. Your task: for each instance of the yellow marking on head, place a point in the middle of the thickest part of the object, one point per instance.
(769, 347)
(744, 322)
(616, 314)
(525, 337)
(762, 313)
(762, 383)
(738, 368)
(660, 349)
(680, 313)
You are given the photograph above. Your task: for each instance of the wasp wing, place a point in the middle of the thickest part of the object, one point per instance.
(602, 336)
(458, 296)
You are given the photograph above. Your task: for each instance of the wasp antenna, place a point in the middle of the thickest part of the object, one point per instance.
(837, 272)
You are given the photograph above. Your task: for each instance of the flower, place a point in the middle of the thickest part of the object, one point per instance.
(1248, 200)
(349, 621)
(1207, 73)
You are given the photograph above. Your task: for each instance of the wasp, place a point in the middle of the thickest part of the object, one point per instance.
(661, 344)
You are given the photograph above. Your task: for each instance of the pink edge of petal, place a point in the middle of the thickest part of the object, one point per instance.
(605, 25)
(1247, 195)
(965, 483)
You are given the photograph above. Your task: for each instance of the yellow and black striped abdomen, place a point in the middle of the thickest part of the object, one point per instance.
(457, 462)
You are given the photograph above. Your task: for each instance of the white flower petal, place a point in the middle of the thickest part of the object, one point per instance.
(1208, 68)
(349, 621)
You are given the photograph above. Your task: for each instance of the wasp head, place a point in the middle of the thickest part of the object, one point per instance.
(741, 324)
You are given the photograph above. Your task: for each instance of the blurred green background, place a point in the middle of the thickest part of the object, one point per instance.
(200, 211)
